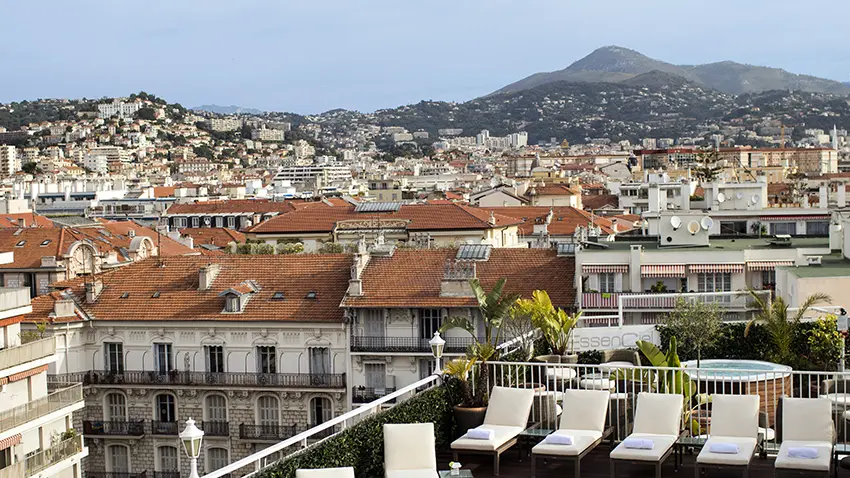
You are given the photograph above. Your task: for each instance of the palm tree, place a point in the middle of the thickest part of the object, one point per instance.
(495, 306)
(779, 326)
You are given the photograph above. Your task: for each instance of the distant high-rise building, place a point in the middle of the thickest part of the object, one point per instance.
(10, 163)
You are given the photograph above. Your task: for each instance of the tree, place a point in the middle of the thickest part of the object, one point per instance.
(31, 168)
(779, 325)
(204, 151)
(797, 187)
(555, 324)
(695, 323)
(146, 113)
(707, 170)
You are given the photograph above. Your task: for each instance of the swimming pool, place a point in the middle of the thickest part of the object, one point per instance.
(736, 370)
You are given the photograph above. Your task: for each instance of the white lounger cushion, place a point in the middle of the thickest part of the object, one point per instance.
(582, 440)
(658, 414)
(746, 448)
(586, 410)
(561, 373)
(821, 463)
(502, 436)
(661, 443)
(734, 416)
(347, 472)
(400, 441)
(807, 419)
(509, 407)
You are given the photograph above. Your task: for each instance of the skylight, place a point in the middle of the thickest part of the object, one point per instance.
(155, 295)
(125, 295)
(278, 296)
(311, 295)
(45, 242)
(20, 243)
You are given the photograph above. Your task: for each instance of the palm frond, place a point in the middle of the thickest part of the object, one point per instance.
(811, 301)
(458, 322)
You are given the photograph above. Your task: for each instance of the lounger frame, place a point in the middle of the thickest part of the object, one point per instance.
(497, 453)
(658, 464)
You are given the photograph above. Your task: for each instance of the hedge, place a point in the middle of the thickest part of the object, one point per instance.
(362, 445)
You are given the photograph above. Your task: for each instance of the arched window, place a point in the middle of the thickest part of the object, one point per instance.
(268, 410)
(116, 407)
(118, 459)
(216, 408)
(168, 458)
(320, 410)
(216, 458)
(166, 410)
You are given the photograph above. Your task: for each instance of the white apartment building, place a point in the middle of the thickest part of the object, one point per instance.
(327, 174)
(37, 435)
(118, 108)
(265, 134)
(98, 163)
(225, 124)
(10, 163)
(253, 348)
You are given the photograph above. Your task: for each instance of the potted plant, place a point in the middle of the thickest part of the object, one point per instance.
(555, 324)
(495, 306)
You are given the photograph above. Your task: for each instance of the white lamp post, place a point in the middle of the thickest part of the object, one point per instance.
(437, 345)
(192, 436)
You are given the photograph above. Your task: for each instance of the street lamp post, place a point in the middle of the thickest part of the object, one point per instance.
(437, 344)
(192, 436)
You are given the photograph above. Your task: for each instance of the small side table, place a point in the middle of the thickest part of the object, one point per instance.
(533, 434)
(683, 442)
(463, 474)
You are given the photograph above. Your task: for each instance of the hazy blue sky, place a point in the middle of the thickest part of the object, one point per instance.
(309, 56)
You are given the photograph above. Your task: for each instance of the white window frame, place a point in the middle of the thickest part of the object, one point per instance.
(327, 411)
(266, 355)
(268, 410)
(163, 352)
(113, 351)
(110, 459)
(211, 459)
(160, 457)
(215, 412)
(217, 358)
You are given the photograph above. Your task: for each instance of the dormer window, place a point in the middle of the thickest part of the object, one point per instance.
(311, 295)
(278, 296)
(231, 303)
(45, 242)
(20, 243)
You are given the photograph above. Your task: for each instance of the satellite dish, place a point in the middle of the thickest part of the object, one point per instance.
(207, 221)
(693, 227)
(739, 195)
(675, 222)
(754, 199)
(706, 223)
(721, 197)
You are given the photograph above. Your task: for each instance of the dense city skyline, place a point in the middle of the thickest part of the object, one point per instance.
(315, 56)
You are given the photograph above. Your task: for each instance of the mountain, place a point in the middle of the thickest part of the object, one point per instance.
(657, 79)
(228, 110)
(614, 64)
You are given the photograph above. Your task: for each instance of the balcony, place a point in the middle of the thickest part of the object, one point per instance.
(266, 432)
(115, 474)
(12, 356)
(114, 428)
(14, 301)
(215, 429)
(604, 300)
(226, 379)
(44, 459)
(361, 343)
(366, 394)
(163, 428)
(38, 408)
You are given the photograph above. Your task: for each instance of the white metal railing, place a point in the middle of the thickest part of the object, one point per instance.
(44, 459)
(9, 357)
(40, 407)
(768, 381)
(14, 297)
(322, 431)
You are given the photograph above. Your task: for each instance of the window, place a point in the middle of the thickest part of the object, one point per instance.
(268, 411)
(266, 362)
(195, 221)
(116, 407)
(320, 360)
(217, 458)
(215, 358)
(376, 376)
(166, 411)
(219, 221)
(606, 282)
(430, 321)
(733, 227)
(768, 279)
(119, 459)
(426, 368)
(715, 282)
(216, 408)
(373, 323)
(231, 222)
(320, 411)
(783, 228)
(817, 228)
(168, 458)
(231, 303)
(162, 356)
(114, 353)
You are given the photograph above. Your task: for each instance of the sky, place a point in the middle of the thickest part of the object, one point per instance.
(309, 56)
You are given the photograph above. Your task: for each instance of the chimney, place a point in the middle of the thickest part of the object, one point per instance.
(456, 277)
(63, 308)
(823, 197)
(842, 195)
(361, 259)
(93, 290)
(22, 223)
(492, 219)
(207, 275)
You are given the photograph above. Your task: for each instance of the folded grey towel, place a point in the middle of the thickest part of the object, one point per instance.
(638, 443)
(802, 452)
(480, 434)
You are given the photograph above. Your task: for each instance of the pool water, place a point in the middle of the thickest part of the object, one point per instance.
(713, 369)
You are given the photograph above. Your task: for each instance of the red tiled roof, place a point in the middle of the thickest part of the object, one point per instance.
(565, 219)
(598, 201)
(163, 191)
(412, 278)
(218, 236)
(31, 219)
(554, 190)
(231, 206)
(422, 217)
(179, 298)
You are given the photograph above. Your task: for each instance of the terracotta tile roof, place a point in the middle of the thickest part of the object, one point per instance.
(231, 206)
(554, 190)
(565, 219)
(12, 221)
(422, 217)
(411, 278)
(598, 201)
(163, 191)
(179, 298)
(218, 236)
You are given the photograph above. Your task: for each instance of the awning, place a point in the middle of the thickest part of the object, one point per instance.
(715, 268)
(9, 442)
(767, 265)
(663, 270)
(603, 268)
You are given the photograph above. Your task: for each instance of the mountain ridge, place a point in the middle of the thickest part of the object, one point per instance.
(227, 110)
(613, 64)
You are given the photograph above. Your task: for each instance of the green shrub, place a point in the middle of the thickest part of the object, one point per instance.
(243, 248)
(362, 446)
(290, 248)
(263, 249)
(331, 248)
(590, 357)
